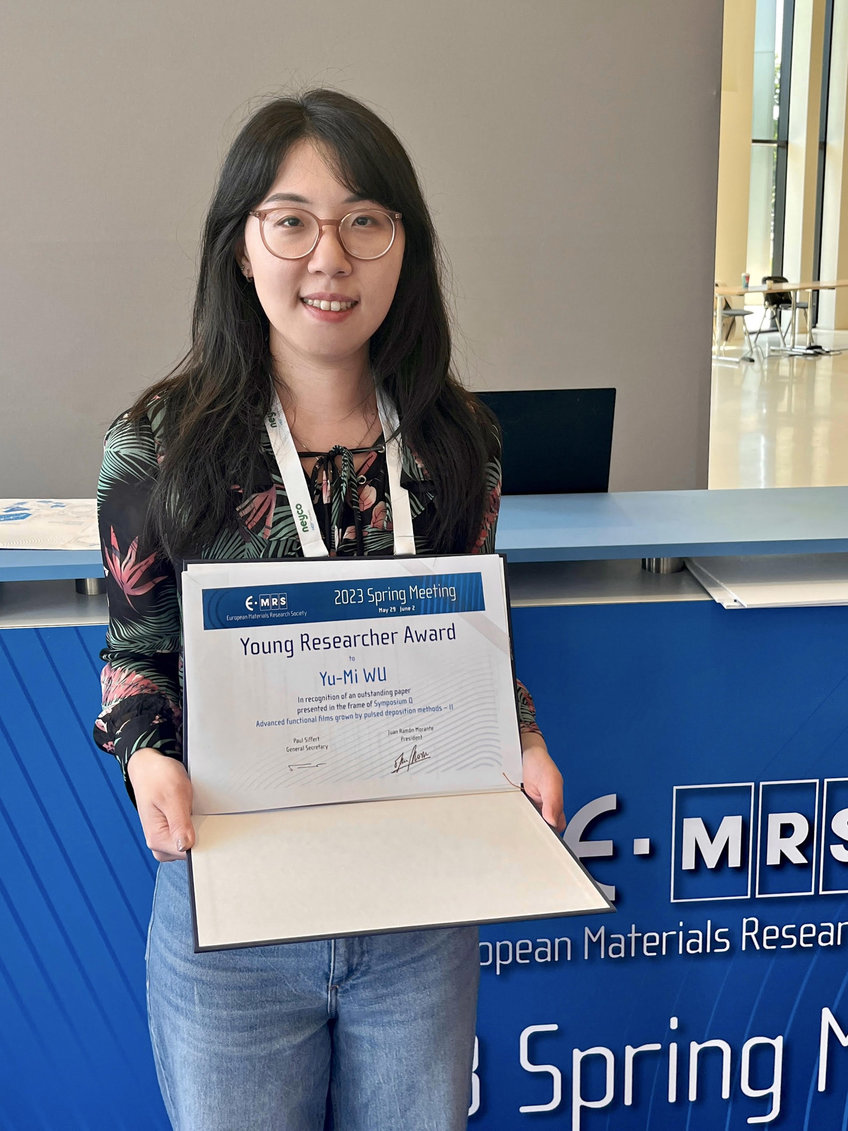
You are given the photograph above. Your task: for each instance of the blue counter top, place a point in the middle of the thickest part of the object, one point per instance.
(654, 524)
(624, 524)
(49, 565)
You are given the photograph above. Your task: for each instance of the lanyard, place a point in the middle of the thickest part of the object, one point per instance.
(297, 486)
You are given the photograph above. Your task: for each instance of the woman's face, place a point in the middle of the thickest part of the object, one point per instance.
(299, 331)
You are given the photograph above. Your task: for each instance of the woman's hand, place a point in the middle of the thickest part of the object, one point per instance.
(163, 798)
(542, 779)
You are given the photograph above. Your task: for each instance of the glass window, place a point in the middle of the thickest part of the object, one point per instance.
(760, 257)
(768, 140)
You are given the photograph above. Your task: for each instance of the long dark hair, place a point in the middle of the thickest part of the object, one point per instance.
(217, 397)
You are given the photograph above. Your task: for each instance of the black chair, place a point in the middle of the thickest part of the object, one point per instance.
(775, 304)
(730, 315)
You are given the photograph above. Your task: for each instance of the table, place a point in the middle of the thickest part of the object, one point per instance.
(793, 289)
(582, 527)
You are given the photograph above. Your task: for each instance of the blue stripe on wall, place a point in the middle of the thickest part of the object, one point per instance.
(74, 901)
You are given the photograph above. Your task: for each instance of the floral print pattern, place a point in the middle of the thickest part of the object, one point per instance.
(259, 509)
(129, 574)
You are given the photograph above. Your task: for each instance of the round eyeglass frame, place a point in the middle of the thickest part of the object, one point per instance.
(262, 213)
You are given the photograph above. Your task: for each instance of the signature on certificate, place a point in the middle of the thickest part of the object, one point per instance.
(405, 762)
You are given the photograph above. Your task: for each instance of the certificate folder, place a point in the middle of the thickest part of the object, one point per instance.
(353, 745)
(371, 866)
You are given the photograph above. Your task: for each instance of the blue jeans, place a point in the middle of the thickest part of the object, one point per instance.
(375, 1031)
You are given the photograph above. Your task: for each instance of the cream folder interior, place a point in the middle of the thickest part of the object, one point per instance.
(331, 870)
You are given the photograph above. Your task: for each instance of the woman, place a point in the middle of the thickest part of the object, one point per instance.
(318, 310)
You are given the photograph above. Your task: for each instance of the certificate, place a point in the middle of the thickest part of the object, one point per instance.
(314, 682)
(351, 730)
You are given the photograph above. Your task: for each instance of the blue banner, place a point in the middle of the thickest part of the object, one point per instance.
(705, 756)
(310, 602)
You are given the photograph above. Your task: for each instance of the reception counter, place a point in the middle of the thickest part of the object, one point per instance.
(704, 752)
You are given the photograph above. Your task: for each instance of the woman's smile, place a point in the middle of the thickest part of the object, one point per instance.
(322, 304)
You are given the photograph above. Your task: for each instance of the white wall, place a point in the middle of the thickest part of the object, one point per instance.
(598, 118)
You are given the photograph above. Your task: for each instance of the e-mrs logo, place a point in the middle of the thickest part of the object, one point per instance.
(271, 601)
(729, 844)
(265, 602)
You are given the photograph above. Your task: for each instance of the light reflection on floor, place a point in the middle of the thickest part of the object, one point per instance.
(781, 421)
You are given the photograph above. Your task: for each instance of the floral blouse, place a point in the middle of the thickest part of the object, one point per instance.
(142, 679)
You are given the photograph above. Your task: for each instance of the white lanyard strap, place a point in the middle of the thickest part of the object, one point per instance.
(297, 486)
(294, 482)
(401, 513)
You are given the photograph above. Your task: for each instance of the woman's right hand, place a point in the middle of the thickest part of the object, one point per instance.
(163, 798)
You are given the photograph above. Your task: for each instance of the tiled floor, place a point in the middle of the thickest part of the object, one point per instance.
(781, 421)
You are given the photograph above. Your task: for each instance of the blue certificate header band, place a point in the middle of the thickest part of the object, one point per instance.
(309, 602)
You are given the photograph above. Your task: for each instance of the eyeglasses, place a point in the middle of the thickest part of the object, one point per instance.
(293, 233)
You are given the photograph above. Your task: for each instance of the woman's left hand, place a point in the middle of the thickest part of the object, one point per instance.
(542, 779)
